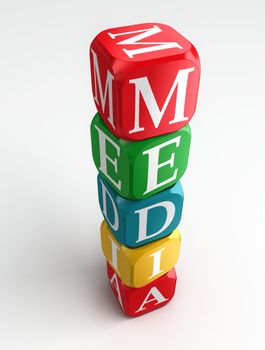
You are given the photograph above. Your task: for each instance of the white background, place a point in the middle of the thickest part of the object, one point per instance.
(54, 292)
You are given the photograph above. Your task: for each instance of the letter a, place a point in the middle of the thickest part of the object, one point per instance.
(115, 284)
(156, 296)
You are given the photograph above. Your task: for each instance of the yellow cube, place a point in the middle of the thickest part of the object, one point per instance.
(139, 266)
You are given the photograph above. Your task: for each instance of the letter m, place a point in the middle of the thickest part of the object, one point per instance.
(143, 88)
(143, 34)
(98, 88)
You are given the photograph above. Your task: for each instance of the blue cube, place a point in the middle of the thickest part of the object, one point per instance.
(137, 222)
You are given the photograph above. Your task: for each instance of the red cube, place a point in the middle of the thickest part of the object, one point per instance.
(138, 301)
(145, 80)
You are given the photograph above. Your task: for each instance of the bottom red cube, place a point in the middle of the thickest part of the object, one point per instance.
(138, 301)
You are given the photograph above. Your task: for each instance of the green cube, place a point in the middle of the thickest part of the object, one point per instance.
(139, 169)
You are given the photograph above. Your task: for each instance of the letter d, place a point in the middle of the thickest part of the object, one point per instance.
(143, 219)
(115, 224)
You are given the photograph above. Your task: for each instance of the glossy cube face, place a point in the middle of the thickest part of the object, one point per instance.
(138, 170)
(136, 223)
(145, 80)
(139, 266)
(138, 301)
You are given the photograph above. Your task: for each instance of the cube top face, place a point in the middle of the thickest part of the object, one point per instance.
(145, 80)
(143, 42)
(138, 301)
(139, 266)
(138, 170)
(136, 223)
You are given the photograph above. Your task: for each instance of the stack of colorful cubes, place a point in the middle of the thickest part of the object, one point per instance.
(145, 81)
